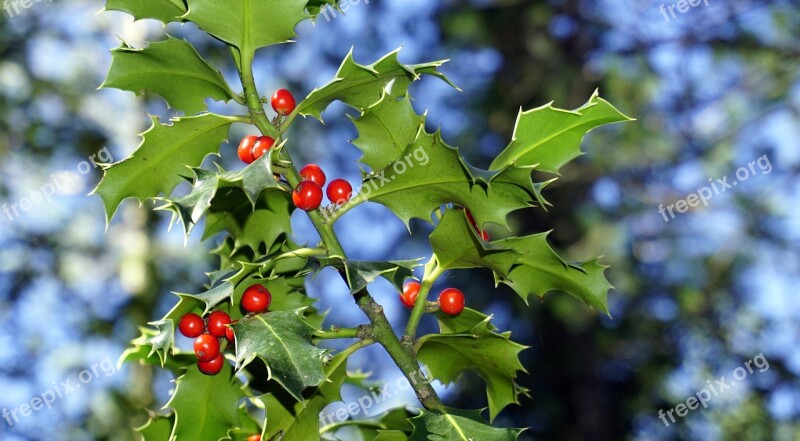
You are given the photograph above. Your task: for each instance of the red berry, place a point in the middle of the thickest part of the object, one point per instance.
(451, 301)
(283, 102)
(218, 323)
(256, 299)
(246, 149)
(471, 219)
(206, 347)
(213, 366)
(262, 146)
(313, 173)
(229, 333)
(254, 438)
(410, 294)
(191, 325)
(339, 191)
(307, 196)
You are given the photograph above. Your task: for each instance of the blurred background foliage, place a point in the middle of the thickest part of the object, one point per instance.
(713, 89)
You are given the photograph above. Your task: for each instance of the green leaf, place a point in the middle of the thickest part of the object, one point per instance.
(540, 270)
(361, 86)
(527, 264)
(432, 174)
(206, 406)
(548, 138)
(456, 245)
(389, 426)
(283, 340)
(163, 10)
(458, 425)
(300, 420)
(160, 162)
(170, 68)
(248, 24)
(158, 428)
(386, 129)
(360, 274)
(247, 426)
(478, 348)
(248, 203)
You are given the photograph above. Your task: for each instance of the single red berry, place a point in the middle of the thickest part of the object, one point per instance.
(471, 219)
(313, 173)
(283, 102)
(256, 299)
(262, 146)
(410, 294)
(213, 366)
(229, 333)
(246, 149)
(307, 196)
(254, 438)
(191, 325)
(339, 191)
(218, 322)
(451, 301)
(206, 347)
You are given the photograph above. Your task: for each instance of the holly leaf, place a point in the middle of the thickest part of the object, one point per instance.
(456, 245)
(248, 24)
(540, 270)
(389, 426)
(435, 174)
(247, 426)
(249, 203)
(360, 274)
(527, 264)
(458, 425)
(170, 68)
(547, 137)
(206, 406)
(479, 348)
(158, 164)
(386, 129)
(257, 228)
(164, 10)
(158, 428)
(282, 339)
(290, 419)
(361, 86)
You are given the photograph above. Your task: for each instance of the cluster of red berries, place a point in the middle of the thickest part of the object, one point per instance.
(451, 300)
(208, 333)
(308, 194)
(253, 147)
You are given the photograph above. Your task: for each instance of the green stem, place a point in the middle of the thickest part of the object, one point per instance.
(352, 349)
(337, 333)
(432, 272)
(252, 98)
